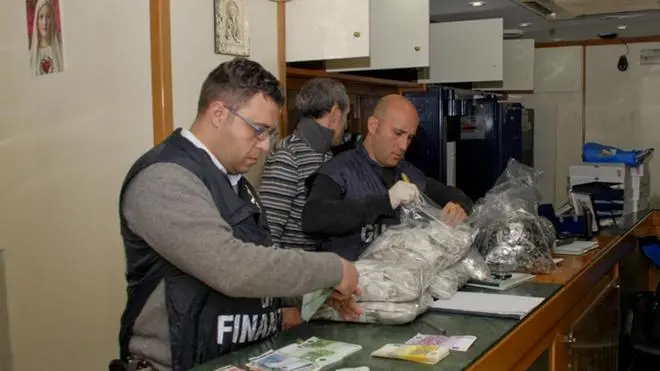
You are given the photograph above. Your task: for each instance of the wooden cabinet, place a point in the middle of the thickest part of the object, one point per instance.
(589, 340)
(467, 51)
(327, 29)
(398, 36)
(518, 59)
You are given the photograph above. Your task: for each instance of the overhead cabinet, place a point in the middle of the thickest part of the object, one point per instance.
(466, 51)
(398, 35)
(327, 29)
(518, 68)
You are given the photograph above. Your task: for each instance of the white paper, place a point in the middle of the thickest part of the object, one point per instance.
(485, 304)
(576, 248)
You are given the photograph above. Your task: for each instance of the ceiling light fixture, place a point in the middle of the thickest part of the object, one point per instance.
(525, 24)
(553, 15)
(477, 4)
(622, 27)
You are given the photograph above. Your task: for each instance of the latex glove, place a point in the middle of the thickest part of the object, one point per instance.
(402, 193)
(453, 214)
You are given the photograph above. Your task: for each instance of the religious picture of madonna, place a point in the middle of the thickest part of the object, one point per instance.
(44, 28)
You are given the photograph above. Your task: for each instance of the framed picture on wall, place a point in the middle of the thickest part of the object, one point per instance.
(44, 30)
(232, 36)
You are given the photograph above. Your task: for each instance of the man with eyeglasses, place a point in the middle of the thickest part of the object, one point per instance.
(203, 277)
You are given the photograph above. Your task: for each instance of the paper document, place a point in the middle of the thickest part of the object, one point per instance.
(494, 283)
(576, 248)
(488, 305)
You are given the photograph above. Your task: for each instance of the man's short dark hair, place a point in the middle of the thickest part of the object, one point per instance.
(318, 95)
(236, 81)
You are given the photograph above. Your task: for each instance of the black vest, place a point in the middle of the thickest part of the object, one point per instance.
(359, 176)
(204, 324)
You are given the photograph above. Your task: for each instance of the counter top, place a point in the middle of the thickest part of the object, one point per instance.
(487, 330)
(502, 342)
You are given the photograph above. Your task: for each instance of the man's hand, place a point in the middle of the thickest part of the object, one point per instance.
(349, 281)
(402, 193)
(453, 214)
(290, 317)
(346, 307)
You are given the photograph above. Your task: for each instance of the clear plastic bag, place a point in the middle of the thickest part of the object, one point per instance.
(475, 265)
(511, 235)
(422, 238)
(383, 313)
(449, 280)
(516, 189)
(445, 284)
(382, 281)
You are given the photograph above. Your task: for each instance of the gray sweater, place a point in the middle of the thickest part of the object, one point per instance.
(173, 211)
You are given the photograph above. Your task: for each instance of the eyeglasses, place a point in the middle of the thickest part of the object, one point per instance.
(262, 131)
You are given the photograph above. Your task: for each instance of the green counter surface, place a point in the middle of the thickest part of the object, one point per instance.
(488, 331)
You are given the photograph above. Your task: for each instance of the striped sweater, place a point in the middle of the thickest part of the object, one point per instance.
(282, 189)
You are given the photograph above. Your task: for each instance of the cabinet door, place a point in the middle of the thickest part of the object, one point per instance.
(518, 67)
(466, 51)
(591, 342)
(326, 29)
(399, 35)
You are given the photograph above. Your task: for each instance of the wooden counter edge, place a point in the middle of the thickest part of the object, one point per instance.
(536, 328)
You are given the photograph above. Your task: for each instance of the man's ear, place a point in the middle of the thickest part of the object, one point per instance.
(218, 113)
(335, 115)
(372, 124)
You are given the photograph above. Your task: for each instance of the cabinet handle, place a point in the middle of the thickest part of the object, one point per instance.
(569, 339)
(356, 34)
(417, 48)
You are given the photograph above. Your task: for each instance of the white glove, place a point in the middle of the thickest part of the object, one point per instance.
(402, 193)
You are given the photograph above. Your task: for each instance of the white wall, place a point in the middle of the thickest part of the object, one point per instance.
(620, 109)
(623, 108)
(66, 141)
(557, 101)
(193, 55)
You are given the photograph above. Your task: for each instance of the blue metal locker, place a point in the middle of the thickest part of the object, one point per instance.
(489, 137)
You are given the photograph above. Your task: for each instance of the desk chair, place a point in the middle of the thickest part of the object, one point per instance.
(641, 326)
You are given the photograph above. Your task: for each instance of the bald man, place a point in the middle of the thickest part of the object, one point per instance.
(355, 196)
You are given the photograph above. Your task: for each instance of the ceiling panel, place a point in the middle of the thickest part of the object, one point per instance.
(463, 6)
(543, 30)
(598, 7)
